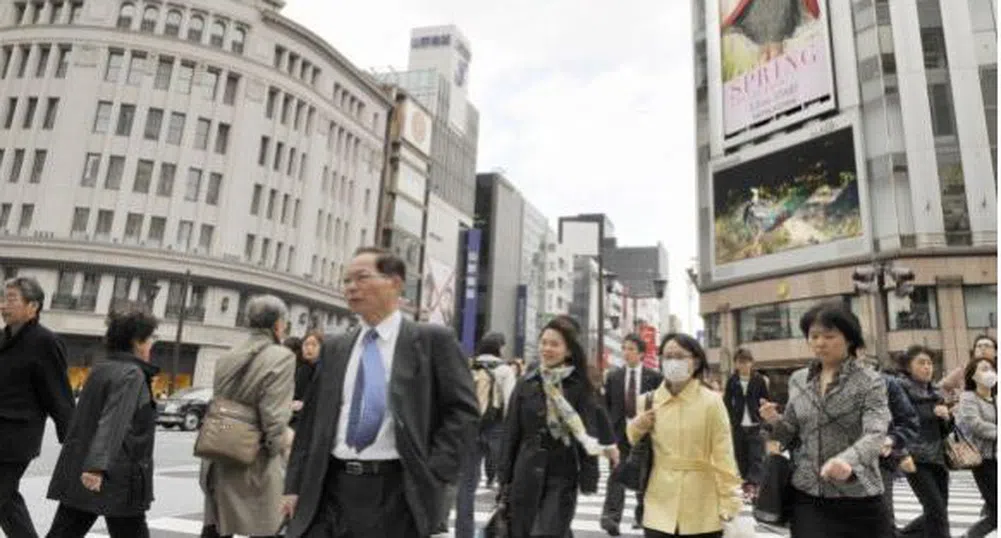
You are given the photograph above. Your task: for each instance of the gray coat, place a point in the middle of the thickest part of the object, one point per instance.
(246, 500)
(849, 422)
(978, 419)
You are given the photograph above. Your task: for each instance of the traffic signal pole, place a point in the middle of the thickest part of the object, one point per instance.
(872, 280)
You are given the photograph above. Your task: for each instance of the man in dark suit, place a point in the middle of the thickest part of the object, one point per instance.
(623, 388)
(33, 385)
(386, 419)
(744, 390)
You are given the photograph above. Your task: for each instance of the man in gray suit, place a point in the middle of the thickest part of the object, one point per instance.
(385, 421)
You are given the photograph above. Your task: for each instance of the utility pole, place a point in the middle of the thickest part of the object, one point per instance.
(175, 363)
(872, 280)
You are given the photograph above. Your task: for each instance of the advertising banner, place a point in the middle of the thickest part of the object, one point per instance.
(520, 307)
(775, 61)
(439, 293)
(801, 196)
(649, 335)
(471, 238)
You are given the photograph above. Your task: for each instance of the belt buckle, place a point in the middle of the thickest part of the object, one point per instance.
(354, 468)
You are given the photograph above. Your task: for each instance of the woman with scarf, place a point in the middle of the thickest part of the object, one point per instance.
(554, 432)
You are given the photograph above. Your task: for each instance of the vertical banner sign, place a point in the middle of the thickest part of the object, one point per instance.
(469, 304)
(520, 307)
(649, 335)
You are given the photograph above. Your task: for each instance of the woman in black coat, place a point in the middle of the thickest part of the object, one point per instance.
(106, 464)
(554, 432)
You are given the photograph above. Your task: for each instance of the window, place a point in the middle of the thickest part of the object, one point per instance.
(81, 216)
(105, 218)
(229, 94)
(285, 201)
(248, 247)
(4, 215)
(38, 166)
(205, 238)
(150, 16)
(262, 152)
(202, 133)
(265, 249)
(279, 153)
(215, 185)
(269, 112)
(184, 229)
(165, 186)
(136, 63)
(291, 161)
(126, 116)
(195, 28)
(184, 77)
(75, 9)
(11, 109)
(64, 61)
(302, 166)
(368, 196)
(21, 9)
(310, 117)
(22, 64)
(981, 306)
(279, 251)
(271, 204)
(157, 227)
(291, 258)
(919, 311)
(255, 202)
(133, 226)
(175, 131)
(103, 117)
(295, 214)
(164, 68)
(298, 115)
(126, 15)
(172, 26)
(144, 177)
(116, 167)
(777, 321)
(29, 114)
(194, 185)
(16, 166)
(222, 139)
(279, 56)
(43, 61)
(91, 164)
(933, 46)
(210, 83)
(116, 59)
(154, 122)
(36, 13)
(51, 109)
(218, 34)
(8, 54)
(27, 216)
(286, 109)
(239, 39)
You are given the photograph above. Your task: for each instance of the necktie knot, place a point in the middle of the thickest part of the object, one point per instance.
(371, 336)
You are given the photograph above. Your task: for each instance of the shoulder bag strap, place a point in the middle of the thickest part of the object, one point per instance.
(241, 370)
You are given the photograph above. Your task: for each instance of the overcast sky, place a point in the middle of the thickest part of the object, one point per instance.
(585, 109)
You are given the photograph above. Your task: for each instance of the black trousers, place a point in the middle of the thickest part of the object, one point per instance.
(363, 506)
(72, 523)
(749, 451)
(986, 476)
(615, 496)
(15, 521)
(815, 517)
(931, 486)
(887, 475)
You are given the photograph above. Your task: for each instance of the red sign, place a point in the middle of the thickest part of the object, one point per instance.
(649, 335)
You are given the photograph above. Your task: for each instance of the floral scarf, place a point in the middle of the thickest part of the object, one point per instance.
(561, 418)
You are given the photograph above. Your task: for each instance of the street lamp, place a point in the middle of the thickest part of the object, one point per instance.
(180, 332)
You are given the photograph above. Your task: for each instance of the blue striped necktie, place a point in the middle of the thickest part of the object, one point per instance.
(368, 401)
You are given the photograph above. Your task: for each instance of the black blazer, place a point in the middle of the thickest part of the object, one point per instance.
(433, 405)
(33, 385)
(733, 397)
(615, 397)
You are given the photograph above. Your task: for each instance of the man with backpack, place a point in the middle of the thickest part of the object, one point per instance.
(494, 381)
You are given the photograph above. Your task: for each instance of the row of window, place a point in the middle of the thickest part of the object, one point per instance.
(24, 221)
(30, 109)
(301, 68)
(154, 126)
(83, 297)
(286, 205)
(163, 78)
(276, 260)
(17, 165)
(278, 162)
(171, 25)
(144, 178)
(55, 12)
(134, 224)
(39, 55)
(288, 101)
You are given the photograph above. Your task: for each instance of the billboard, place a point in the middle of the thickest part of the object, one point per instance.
(649, 335)
(471, 238)
(438, 293)
(415, 125)
(520, 307)
(805, 195)
(776, 66)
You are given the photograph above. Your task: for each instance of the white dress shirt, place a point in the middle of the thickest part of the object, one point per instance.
(747, 421)
(637, 373)
(384, 446)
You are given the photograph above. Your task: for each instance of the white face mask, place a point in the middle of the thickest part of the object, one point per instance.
(987, 379)
(675, 370)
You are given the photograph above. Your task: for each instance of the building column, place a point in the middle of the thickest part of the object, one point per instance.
(952, 320)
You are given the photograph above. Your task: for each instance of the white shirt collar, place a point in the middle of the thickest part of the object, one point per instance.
(387, 328)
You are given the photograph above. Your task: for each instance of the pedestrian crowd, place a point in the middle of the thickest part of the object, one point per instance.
(384, 430)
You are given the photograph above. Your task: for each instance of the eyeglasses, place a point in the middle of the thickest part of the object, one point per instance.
(361, 277)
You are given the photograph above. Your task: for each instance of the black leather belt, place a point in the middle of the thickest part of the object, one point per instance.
(362, 468)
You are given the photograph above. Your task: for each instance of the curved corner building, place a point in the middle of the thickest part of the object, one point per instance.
(189, 154)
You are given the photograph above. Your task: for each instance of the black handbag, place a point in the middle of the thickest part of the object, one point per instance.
(634, 471)
(773, 505)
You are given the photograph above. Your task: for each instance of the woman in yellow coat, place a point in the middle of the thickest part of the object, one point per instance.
(693, 486)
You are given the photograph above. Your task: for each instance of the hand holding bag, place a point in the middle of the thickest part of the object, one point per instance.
(960, 453)
(634, 471)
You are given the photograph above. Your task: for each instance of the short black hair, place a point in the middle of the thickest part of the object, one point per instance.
(977, 340)
(904, 360)
(127, 325)
(635, 339)
(691, 345)
(491, 344)
(566, 318)
(743, 355)
(295, 344)
(29, 288)
(386, 262)
(834, 315)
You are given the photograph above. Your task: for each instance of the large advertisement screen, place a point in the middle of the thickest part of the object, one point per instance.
(801, 196)
(775, 64)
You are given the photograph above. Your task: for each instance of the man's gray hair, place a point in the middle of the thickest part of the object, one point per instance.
(263, 311)
(31, 291)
